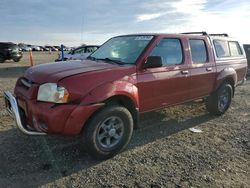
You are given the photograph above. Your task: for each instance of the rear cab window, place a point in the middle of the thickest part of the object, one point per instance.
(221, 48)
(235, 48)
(227, 49)
(170, 49)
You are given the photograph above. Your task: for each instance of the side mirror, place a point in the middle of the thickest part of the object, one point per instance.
(153, 62)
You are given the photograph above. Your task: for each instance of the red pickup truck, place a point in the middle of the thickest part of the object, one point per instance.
(101, 97)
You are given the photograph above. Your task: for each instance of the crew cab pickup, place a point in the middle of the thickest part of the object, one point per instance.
(101, 97)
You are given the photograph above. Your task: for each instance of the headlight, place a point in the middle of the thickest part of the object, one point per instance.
(50, 92)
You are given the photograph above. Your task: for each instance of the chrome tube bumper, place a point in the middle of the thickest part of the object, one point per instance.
(12, 108)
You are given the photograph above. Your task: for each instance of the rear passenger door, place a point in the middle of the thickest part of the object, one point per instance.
(203, 70)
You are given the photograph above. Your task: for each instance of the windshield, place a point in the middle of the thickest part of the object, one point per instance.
(125, 49)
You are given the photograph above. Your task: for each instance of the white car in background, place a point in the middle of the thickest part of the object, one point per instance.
(35, 48)
(79, 53)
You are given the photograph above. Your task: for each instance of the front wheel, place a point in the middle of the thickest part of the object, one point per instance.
(1, 59)
(219, 102)
(16, 59)
(108, 132)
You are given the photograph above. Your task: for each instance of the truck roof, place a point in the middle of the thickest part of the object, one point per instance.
(202, 33)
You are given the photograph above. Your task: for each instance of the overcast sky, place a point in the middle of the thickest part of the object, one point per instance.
(73, 22)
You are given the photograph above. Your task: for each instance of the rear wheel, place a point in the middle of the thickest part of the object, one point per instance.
(219, 102)
(108, 132)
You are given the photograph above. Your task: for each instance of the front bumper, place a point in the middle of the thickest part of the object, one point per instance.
(30, 116)
(15, 55)
(13, 109)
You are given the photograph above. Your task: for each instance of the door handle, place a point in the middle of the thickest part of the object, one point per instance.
(184, 72)
(209, 69)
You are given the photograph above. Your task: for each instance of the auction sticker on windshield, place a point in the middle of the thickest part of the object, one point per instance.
(143, 38)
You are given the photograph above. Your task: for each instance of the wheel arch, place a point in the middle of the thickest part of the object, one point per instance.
(127, 102)
(119, 93)
(122, 100)
(228, 75)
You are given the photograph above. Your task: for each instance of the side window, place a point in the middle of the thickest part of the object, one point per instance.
(79, 50)
(221, 48)
(90, 49)
(235, 48)
(198, 51)
(170, 50)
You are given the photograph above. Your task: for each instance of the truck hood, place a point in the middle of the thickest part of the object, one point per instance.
(53, 72)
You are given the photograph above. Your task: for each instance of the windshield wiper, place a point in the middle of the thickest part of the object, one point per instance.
(107, 60)
(111, 60)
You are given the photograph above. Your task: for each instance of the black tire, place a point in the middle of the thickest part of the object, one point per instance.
(113, 123)
(16, 59)
(2, 58)
(219, 102)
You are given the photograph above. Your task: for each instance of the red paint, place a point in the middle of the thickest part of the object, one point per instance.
(92, 83)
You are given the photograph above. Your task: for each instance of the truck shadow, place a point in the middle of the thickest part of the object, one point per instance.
(34, 161)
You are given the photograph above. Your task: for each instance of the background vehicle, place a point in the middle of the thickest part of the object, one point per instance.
(9, 51)
(80, 53)
(24, 47)
(247, 50)
(57, 47)
(42, 48)
(50, 48)
(35, 48)
(101, 99)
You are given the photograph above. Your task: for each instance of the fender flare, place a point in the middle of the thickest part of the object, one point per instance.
(228, 73)
(111, 89)
(95, 100)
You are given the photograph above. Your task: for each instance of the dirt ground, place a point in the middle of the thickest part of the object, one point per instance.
(163, 151)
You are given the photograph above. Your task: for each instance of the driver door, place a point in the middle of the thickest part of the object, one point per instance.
(167, 85)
